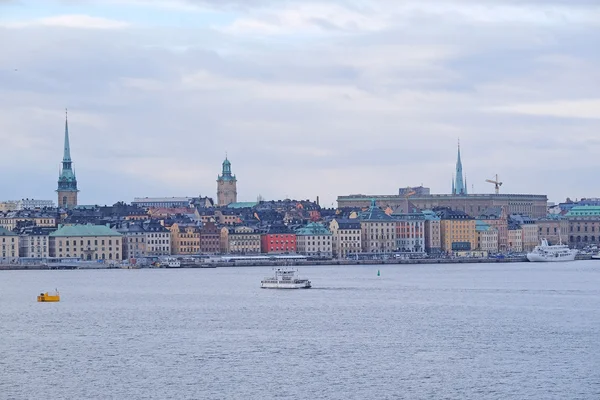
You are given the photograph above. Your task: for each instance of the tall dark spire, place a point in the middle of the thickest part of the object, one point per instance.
(66, 179)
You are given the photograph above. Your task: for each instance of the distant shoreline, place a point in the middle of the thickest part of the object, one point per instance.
(240, 264)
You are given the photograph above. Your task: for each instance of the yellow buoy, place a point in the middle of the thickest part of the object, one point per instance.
(48, 297)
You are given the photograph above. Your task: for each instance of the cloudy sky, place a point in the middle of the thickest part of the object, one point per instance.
(308, 98)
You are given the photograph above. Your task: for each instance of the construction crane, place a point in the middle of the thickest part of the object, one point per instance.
(496, 183)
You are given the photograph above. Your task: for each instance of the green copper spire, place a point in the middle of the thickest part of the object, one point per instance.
(226, 173)
(67, 150)
(67, 182)
(459, 185)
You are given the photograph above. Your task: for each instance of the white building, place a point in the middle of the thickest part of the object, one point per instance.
(34, 242)
(346, 237)
(29, 204)
(487, 237)
(314, 240)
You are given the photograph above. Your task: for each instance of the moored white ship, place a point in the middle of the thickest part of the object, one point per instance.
(546, 253)
(284, 279)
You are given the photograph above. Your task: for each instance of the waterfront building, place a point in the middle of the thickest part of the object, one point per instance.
(554, 228)
(515, 237)
(240, 240)
(457, 230)
(314, 239)
(410, 232)
(378, 230)
(210, 238)
(497, 217)
(530, 234)
(345, 237)
(9, 245)
(14, 219)
(34, 242)
(278, 239)
(87, 242)
(67, 181)
(584, 225)
(459, 182)
(433, 239)
(487, 237)
(162, 202)
(226, 186)
(145, 239)
(185, 239)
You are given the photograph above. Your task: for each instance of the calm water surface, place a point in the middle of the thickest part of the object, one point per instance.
(501, 331)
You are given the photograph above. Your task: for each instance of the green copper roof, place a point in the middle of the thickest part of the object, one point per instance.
(6, 232)
(226, 173)
(242, 204)
(312, 229)
(584, 211)
(84, 230)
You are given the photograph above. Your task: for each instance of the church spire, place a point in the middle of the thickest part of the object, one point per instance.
(67, 149)
(459, 185)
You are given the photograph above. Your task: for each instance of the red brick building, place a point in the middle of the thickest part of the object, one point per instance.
(278, 239)
(210, 238)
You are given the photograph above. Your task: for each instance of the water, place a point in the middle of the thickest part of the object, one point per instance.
(497, 331)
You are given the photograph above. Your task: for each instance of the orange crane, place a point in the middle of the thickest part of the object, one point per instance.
(496, 183)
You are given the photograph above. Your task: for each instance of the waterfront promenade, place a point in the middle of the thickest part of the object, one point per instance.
(287, 263)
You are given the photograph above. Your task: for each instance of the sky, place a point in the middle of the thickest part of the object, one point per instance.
(306, 98)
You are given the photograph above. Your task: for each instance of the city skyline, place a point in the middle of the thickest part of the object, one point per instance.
(305, 107)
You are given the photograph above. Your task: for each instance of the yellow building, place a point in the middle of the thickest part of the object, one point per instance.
(457, 231)
(11, 219)
(9, 245)
(185, 239)
(87, 242)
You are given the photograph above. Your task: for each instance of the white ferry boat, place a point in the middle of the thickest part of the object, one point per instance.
(546, 253)
(284, 279)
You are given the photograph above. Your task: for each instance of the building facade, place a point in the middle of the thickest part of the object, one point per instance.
(378, 230)
(473, 204)
(226, 186)
(145, 239)
(433, 239)
(584, 226)
(487, 237)
(314, 240)
(162, 202)
(410, 232)
(240, 240)
(185, 239)
(345, 237)
(34, 242)
(67, 181)
(515, 238)
(210, 238)
(87, 242)
(278, 239)
(554, 228)
(9, 245)
(457, 231)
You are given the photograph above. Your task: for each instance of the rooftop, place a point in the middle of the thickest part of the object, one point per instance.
(84, 230)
